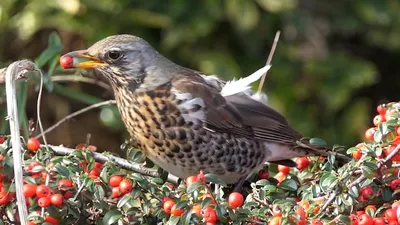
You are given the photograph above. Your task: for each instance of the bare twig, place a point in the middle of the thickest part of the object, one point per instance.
(15, 71)
(123, 163)
(109, 102)
(76, 78)
(330, 200)
(271, 53)
(381, 163)
(360, 178)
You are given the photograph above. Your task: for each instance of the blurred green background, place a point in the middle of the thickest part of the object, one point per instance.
(335, 61)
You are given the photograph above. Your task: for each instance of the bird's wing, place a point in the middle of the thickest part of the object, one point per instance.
(237, 114)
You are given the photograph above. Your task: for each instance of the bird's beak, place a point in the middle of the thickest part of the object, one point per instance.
(81, 59)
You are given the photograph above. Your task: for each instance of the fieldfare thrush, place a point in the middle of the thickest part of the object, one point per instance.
(185, 121)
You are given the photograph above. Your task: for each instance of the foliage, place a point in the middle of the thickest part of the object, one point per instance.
(320, 191)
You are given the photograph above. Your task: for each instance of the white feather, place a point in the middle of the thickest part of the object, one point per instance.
(243, 84)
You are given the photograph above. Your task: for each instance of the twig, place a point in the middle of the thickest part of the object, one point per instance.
(330, 200)
(381, 163)
(361, 178)
(123, 163)
(271, 53)
(76, 78)
(15, 71)
(109, 102)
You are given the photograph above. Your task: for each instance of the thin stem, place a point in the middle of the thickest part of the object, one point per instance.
(271, 53)
(123, 163)
(70, 116)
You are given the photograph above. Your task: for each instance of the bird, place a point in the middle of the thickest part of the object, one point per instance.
(186, 121)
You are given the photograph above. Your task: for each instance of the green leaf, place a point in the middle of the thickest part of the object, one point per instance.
(386, 194)
(214, 179)
(194, 186)
(288, 184)
(173, 220)
(262, 182)
(38, 169)
(124, 200)
(206, 202)
(158, 180)
(111, 217)
(327, 181)
(62, 170)
(99, 192)
(318, 142)
(182, 204)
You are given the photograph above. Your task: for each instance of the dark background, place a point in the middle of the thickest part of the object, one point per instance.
(335, 61)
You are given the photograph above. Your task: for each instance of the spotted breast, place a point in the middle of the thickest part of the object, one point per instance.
(168, 127)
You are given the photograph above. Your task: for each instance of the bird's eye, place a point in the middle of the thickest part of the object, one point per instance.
(114, 55)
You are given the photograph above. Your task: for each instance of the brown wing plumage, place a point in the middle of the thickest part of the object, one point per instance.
(237, 114)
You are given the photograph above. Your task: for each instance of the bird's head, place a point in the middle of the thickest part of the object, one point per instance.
(122, 59)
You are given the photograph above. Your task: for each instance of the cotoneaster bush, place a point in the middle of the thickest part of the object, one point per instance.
(320, 190)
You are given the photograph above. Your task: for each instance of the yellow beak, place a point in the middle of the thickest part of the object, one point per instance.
(81, 59)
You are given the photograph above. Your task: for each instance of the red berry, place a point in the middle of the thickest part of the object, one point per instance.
(167, 206)
(283, 169)
(369, 134)
(176, 212)
(1, 177)
(115, 180)
(33, 144)
(43, 191)
(64, 184)
(201, 177)
(190, 180)
(115, 192)
(67, 62)
(381, 110)
(353, 219)
(125, 186)
(357, 154)
(280, 177)
(51, 220)
(395, 205)
(316, 222)
(395, 184)
(31, 223)
(68, 195)
(379, 221)
(390, 215)
(2, 139)
(98, 165)
(365, 219)
(57, 200)
(209, 215)
(4, 198)
(302, 163)
(94, 173)
(263, 174)
(44, 201)
(29, 190)
(276, 220)
(235, 199)
(378, 119)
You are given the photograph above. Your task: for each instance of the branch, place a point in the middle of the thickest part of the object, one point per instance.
(381, 163)
(123, 163)
(17, 70)
(271, 53)
(70, 116)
